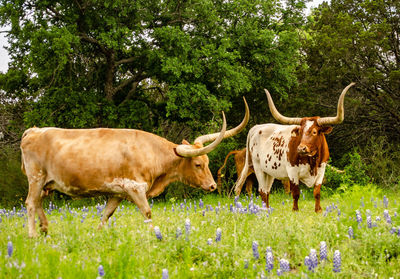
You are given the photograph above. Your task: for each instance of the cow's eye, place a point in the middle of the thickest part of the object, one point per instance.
(198, 165)
(314, 132)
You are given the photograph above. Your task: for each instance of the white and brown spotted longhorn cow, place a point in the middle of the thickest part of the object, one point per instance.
(297, 151)
(119, 163)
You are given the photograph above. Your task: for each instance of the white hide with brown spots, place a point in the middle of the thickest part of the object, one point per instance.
(268, 151)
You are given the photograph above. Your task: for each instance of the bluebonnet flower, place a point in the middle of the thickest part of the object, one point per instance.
(10, 248)
(284, 265)
(209, 241)
(172, 209)
(218, 236)
(377, 218)
(368, 212)
(158, 232)
(351, 233)
(323, 253)
(255, 250)
(246, 264)
(279, 272)
(101, 271)
(369, 222)
(203, 213)
(307, 262)
(270, 262)
(385, 201)
(201, 203)
(337, 261)
(358, 216)
(165, 274)
(187, 226)
(178, 232)
(313, 259)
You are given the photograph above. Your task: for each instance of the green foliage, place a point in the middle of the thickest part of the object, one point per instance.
(13, 184)
(355, 172)
(124, 64)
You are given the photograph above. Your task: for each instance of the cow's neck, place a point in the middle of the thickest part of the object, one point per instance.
(167, 173)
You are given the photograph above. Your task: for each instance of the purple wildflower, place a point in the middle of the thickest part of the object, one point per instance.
(218, 237)
(313, 259)
(351, 233)
(358, 216)
(10, 248)
(201, 203)
(270, 262)
(158, 232)
(369, 222)
(337, 261)
(101, 271)
(323, 253)
(279, 272)
(187, 226)
(178, 232)
(284, 265)
(255, 250)
(385, 201)
(209, 241)
(307, 262)
(246, 264)
(165, 274)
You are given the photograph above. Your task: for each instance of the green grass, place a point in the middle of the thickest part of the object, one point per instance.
(128, 249)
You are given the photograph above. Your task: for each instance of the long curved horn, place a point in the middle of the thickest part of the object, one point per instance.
(279, 117)
(230, 133)
(340, 110)
(186, 150)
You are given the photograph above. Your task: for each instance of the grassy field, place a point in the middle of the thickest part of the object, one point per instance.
(126, 248)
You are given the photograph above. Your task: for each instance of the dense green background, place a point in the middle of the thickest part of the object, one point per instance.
(170, 67)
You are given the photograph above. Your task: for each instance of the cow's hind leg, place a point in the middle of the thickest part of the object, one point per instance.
(264, 184)
(109, 210)
(317, 196)
(34, 202)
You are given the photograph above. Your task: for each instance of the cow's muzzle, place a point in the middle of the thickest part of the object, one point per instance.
(212, 187)
(304, 150)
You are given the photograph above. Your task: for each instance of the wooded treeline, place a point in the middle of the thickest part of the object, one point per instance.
(170, 67)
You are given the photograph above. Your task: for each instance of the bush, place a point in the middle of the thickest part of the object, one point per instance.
(13, 183)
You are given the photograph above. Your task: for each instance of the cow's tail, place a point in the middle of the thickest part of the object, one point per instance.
(219, 173)
(22, 153)
(243, 175)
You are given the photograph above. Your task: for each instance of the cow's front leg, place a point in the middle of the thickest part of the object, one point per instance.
(317, 196)
(137, 193)
(111, 205)
(264, 197)
(295, 194)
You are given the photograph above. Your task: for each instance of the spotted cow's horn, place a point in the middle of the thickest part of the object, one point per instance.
(340, 110)
(279, 117)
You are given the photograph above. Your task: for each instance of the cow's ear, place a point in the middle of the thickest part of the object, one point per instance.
(295, 132)
(185, 142)
(326, 129)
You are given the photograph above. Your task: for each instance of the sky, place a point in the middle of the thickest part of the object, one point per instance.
(4, 56)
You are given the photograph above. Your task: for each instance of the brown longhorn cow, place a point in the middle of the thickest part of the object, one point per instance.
(297, 151)
(119, 163)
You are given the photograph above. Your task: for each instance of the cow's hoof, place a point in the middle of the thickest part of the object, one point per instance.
(295, 209)
(319, 210)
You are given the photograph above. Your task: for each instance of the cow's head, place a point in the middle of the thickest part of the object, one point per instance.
(193, 169)
(310, 135)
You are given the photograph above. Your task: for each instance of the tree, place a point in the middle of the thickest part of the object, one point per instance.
(119, 63)
(357, 40)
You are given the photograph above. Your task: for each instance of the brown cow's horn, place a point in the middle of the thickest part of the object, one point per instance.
(340, 110)
(279, 117)
(186, 150)
(230, 133)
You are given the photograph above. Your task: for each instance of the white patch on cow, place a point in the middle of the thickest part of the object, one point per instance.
(308, 125)
(120, 185)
